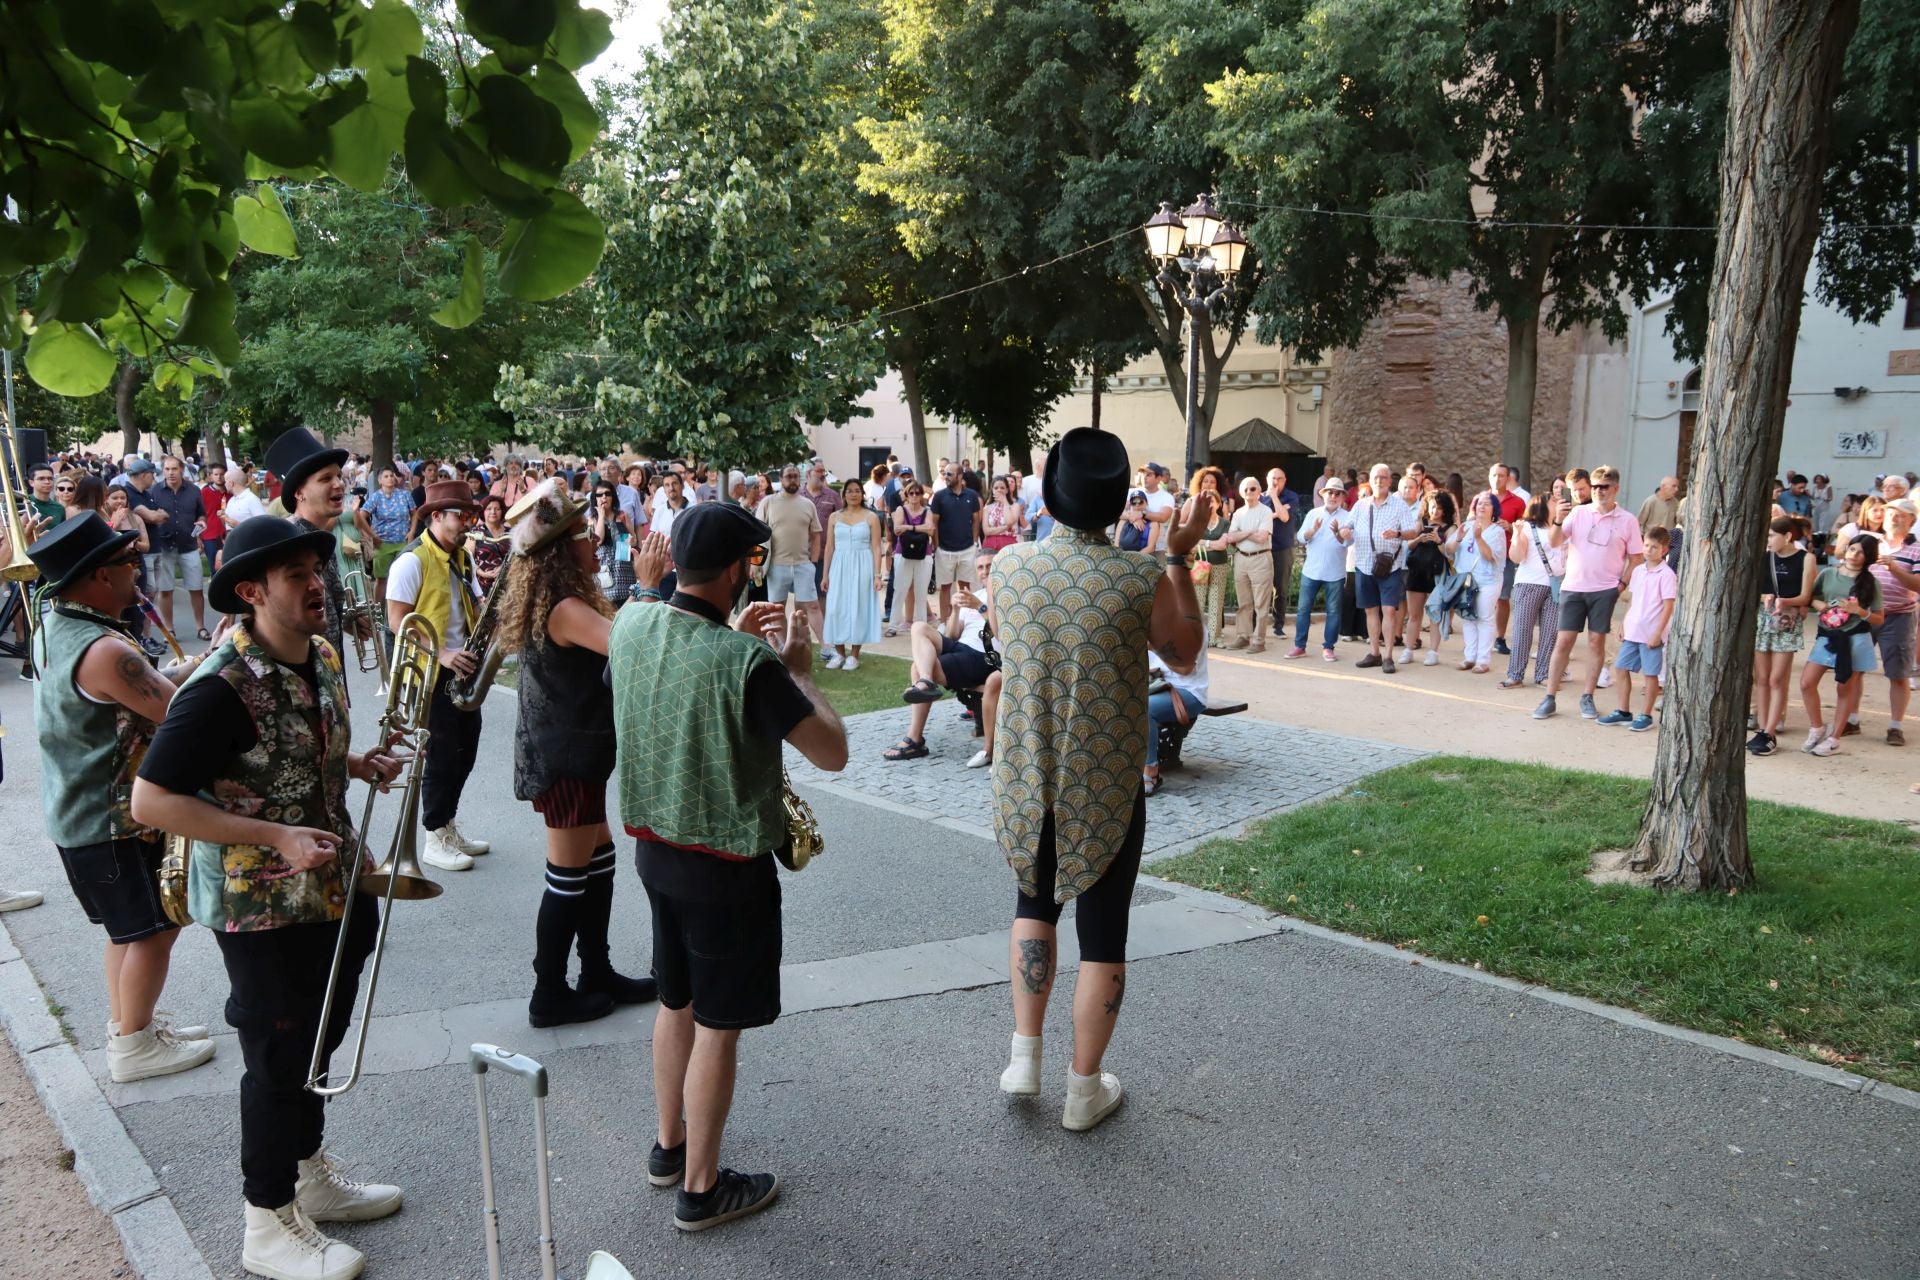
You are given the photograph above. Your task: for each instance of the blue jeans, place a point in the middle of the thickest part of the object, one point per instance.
(1160, 711)
(1311, 591)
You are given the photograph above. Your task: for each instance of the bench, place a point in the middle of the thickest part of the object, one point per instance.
(971, 699)
(1173, 735)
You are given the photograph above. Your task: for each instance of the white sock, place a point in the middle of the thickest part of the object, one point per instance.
(1853, 719)
(1074, 1077)
(1893, 724)
(1030, 1043)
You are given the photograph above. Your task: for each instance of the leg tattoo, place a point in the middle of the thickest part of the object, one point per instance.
(1036, 964)
(1119, 995)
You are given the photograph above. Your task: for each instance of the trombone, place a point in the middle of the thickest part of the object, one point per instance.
(416, 665)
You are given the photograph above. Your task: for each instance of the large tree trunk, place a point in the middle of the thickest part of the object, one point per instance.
(1093, 377)
(380, 415)
(909, 367)
(1787, 57)
(124, 388)
(1523, 378)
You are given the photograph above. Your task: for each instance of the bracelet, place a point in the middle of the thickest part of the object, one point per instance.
(646, 593)
(1179, 562)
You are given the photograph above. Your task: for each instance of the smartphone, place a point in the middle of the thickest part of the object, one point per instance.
(788, 620)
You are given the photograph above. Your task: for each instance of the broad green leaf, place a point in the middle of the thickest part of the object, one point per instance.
(463, 309)
(69, 359)
(521, 125)
(431, 166)
(360, 151)
(77, 297)
(543, 257)
(263, 223)
(391, 104)
(580, 35)
(427, 87)
(208, 323)
(513, 196)
(174, 377)
(275, 132)
(557, 85)
(521, 22)
(313, 32)
(268, 53)
(385, 36)
(124, 34)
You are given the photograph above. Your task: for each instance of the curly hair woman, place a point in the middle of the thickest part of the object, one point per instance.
(552, 614)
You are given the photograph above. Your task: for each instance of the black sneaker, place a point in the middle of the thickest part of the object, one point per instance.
(735, 1195)
(1757, 741)
(1500, 647)
(667, 1165)
(1767, 745)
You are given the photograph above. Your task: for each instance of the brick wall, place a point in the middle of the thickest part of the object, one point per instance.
(1428, 383)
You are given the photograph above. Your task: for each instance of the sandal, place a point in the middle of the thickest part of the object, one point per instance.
(1149, 784)
(906, 749)
(205, 634)
(921, 691)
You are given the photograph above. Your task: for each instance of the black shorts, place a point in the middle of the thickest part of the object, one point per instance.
(1101, 914)
(1588, 610)
(118, 885)
(716, 935)
(964, 668)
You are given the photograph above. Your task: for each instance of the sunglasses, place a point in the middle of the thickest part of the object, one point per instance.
(1603, 488)
(757, 556)
(63, 488)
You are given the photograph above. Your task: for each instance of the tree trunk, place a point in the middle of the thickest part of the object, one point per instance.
(1093, 377)
(124, 389)
(1787, 58)
(909, 366)
(1523, 378)
(380, 414)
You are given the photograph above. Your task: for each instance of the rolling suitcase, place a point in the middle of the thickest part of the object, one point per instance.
(485, 1057)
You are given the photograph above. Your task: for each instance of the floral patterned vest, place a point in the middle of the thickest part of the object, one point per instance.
(295, 774)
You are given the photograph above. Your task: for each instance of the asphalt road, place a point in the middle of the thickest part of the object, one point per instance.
(1296, 1106)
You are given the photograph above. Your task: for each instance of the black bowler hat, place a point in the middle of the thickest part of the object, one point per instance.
(1086, 479)
(295, 455)
(76, 548)
(254, 546)
(713, 535)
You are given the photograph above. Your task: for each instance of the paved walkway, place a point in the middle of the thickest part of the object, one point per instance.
(1297, 1104)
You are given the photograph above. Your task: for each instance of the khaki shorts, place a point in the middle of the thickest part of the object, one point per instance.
(950, 567)
(173, 569)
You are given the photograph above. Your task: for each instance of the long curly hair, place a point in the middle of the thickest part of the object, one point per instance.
(530, 586)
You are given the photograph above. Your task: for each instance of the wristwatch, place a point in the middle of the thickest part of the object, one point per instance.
(1178, 562)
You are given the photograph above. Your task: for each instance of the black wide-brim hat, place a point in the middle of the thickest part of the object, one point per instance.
(76, 548)
(295, 455)
(1086, 479)
(254, 546)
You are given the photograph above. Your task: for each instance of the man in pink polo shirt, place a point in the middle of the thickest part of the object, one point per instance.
(1603, 545)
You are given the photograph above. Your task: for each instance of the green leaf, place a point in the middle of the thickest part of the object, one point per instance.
(208, 323)
(431, 166)
(274, 131)
(427, 87)
(521, 22)
(577, 115)
(69, 359)
(513, 196)
(313, 31)
(264, 227)
(126, 35)
(174, 377)
(385, 36)
(76, 296)
(580, 35)
(521, 125)
(464, 309)
(391, 104)
(543, 257)
(359, 150)
(269, 53)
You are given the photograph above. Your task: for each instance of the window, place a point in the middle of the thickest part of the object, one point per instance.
(1912, 297)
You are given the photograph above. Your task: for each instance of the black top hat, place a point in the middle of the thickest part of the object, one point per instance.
(1085, 481)
(295, 455)
(254, 546)
(76, 548)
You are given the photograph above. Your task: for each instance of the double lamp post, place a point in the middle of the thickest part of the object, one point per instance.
(1198, 253)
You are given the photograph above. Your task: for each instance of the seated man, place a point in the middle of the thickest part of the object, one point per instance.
(1184, 698)
(954, 658)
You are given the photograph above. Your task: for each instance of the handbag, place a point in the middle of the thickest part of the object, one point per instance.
(1382, 560)
(1200, 571)
(913, 544)
(1132, 539)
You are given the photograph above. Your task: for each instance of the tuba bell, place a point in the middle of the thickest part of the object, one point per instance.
(416, 665)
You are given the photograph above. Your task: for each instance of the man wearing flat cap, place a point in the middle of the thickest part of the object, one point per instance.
(701, 709)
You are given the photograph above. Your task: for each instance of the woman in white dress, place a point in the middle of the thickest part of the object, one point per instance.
(852, 579)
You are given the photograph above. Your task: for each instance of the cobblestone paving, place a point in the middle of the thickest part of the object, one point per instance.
(1236, 769)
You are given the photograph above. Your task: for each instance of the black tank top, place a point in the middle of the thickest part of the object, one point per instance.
(565, 725)
(1784, 574)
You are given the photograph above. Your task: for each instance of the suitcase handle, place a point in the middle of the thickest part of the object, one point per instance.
(483, 1056)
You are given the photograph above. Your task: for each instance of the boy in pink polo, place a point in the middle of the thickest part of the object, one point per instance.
(1644, 634)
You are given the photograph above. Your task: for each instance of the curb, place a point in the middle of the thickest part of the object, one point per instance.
(114, 1171)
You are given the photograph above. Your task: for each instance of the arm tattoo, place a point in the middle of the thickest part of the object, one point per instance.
(138, 675)
(1036, 965)
(1119, 995)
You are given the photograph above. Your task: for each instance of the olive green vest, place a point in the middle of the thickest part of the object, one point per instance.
(90, 750)
(691, 769)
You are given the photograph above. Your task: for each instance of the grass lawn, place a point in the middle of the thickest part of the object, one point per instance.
(875, 686)
(1483, 863)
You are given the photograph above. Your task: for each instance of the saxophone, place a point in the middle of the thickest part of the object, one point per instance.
(468, 692)
(803, 829)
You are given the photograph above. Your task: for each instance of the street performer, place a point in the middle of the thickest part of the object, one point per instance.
(434, 576)
(252, 764)
(700, 712)
(311, 487)
(97, 704)
(1075, 616)
(554, 616)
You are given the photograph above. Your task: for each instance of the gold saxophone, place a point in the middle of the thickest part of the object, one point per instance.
(173, 881)
(804, 842)
(468, 692)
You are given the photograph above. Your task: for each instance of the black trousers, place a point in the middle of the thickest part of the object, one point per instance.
(451, 749)
(279, 979)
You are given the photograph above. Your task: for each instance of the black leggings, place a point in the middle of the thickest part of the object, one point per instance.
(1100, 919)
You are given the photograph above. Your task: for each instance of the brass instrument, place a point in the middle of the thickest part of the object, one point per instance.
(359, 620)
(804, 842)
(19, 566)
(173, 879)
(410, 680)
(468, 692)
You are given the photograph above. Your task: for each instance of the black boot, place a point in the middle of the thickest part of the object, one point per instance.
(596, 917)
(555, 1003)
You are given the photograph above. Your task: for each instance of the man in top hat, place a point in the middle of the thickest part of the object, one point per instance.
(97, 703)
(311, 489)
(704, 802)
(1069, 805)
(434, 576)
(262, 731)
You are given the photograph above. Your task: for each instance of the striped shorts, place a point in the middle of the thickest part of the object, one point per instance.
(573, 802)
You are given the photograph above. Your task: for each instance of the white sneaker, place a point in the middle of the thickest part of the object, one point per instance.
(834, 660)
(325, 1194)
(1406, 655)
(163, 1021)
(851, 664)
(981, 759)
(18, 899)
(1022, 1076)
(283, 1244)
(443, 854)
(472, 848)
(1431, 660)
(1606, 678)
(1814, 737)
(152, 1051)
(1090, 1099)
(1826, 747)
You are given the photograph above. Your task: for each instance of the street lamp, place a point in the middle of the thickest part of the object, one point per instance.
(1198, 253)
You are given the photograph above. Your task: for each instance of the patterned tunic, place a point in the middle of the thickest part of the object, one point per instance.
(1072, 735)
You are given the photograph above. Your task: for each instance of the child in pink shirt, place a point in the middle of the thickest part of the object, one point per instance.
(1644, 633)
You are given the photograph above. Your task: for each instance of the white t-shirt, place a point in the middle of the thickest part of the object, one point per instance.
(663, 518)
(241, 507)
(403, 584)
(1528, 568)
(1195, 682)
(876, 495)
(972, 623)
(1157, 501)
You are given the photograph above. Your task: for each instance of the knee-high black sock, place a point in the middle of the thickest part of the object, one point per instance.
(596, 913)
(561, 911)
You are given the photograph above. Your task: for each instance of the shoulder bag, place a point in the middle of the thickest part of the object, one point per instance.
(1382, 560)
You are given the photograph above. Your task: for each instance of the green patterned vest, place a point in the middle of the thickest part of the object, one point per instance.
(690, 769)
(294, 774)
(90, 750)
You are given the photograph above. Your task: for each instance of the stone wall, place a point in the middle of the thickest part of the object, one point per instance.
(1428, 382)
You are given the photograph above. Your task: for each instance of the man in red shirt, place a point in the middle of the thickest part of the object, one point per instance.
(213, 498)
(1511, 504)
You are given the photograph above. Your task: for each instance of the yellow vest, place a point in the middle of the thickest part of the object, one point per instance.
(438, 568)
